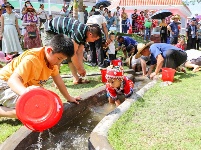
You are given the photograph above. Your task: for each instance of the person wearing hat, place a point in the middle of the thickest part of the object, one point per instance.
(117, 84)
(174, 29)
(191, 34)
(162, 55)
(9, 22)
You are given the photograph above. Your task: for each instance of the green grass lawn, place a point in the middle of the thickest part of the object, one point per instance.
(167, 117)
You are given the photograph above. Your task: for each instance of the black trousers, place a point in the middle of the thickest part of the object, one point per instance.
(97, 54)
(198, 44)
(174, 58)
(191, 43)
(163, 38)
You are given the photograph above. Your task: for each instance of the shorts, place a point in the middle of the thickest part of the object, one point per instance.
(196, 61)
(8, 98)
(135, 61)
(42, 20)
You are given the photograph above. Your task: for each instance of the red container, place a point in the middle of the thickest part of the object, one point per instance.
(116, 62)
(103, 74)
(39, 109)
(168, 74)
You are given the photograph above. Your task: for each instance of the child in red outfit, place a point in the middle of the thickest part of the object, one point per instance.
(117, 83)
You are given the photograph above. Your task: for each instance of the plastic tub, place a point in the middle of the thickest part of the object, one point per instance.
(103, 74)
(168, 74)
(116, 62)
(39, 109)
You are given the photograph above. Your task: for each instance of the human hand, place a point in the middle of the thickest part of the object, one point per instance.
(108, 41)
(81, 72)
(152, 75)
(74, 99)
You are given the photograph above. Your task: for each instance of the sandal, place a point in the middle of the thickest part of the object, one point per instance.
(81, 81)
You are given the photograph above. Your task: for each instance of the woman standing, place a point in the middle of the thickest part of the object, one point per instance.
(134, 17)
(31, 36)
(42, 15)
(141, 21)
(163, 31)
(93, 9)
(124, 17)
(10, 32)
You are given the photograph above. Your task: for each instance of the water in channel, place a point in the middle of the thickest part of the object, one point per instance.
(74, 135)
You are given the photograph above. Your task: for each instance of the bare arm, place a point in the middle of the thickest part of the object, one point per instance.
(17, 27)
(159, 65)
(62, 88)
(2, 25)
(105, 30)
(77, 58)
(15, 82)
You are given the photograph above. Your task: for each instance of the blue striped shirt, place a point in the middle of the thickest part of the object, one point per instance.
(72, 28)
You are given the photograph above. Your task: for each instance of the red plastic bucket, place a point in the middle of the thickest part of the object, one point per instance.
(39, 109)
(168, 74)
(116, 62)
(103, 74)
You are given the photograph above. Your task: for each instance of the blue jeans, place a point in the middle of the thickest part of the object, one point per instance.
(124, 26)
(147, 33)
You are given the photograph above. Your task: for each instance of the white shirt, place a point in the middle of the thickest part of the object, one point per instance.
(96, 19)
(42, 13)
(193, 54)
(111, 48)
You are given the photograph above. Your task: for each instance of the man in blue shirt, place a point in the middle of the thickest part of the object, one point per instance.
(174, 29)
(130, 45)
(162, 55)
(191, 34)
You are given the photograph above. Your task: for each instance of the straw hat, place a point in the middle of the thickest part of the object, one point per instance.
(141, 47)
(115, 72)
(85, 6)
(176, 17)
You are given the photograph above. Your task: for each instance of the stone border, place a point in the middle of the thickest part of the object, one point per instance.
(98, 137)
(25, 137)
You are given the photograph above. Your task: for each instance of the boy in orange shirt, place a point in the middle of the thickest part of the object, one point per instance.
(31, 70)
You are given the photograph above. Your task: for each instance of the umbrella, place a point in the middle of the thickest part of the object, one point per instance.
(161, 14)
(105, 3)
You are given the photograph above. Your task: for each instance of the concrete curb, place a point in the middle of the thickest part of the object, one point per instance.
(98, 137)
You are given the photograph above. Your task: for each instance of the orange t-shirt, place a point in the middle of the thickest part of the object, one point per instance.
(31, 67)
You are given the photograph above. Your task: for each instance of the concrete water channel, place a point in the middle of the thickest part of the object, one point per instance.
(74, 129)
